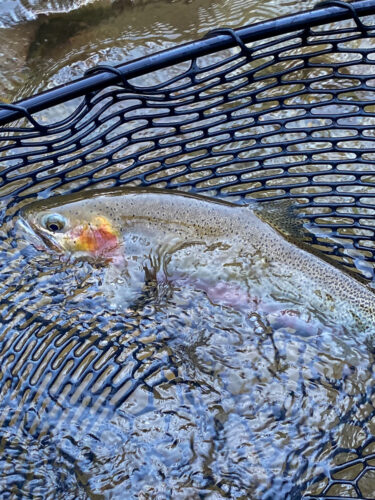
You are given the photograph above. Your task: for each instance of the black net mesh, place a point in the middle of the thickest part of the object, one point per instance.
(288, 114)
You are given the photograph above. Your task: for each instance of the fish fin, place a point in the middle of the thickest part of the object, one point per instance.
(283, 215)
(287, 219)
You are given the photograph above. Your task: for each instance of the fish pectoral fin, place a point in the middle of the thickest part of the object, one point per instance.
(123, 287)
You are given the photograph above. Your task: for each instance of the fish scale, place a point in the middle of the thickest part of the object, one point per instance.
(170, 225)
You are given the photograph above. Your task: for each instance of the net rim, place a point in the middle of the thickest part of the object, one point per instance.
(98, 80)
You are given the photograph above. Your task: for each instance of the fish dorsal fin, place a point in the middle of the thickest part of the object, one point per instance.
(285, 217)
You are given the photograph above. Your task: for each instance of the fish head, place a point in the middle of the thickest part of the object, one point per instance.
(69, 228)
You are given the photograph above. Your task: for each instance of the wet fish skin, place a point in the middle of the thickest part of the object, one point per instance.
(176, 230)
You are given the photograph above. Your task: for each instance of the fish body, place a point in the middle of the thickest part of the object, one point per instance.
(210, 243)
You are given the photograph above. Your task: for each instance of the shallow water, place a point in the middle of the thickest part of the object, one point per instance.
(48, 43)
(175, 397)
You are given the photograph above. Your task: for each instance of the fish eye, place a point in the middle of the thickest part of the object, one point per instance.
(54, 222)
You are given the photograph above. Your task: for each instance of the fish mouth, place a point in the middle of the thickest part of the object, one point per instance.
(40, 239)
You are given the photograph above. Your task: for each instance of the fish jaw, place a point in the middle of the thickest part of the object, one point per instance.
(37, 237)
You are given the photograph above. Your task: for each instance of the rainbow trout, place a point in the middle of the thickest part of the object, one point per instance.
(224, 249)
